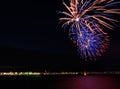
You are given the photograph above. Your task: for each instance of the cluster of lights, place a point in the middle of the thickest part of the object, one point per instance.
(56, 73)
(19, 73)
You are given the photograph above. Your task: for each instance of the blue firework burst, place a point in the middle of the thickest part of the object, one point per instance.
(89, 44)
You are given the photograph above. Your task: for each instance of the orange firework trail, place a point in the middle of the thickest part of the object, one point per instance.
(86, 19)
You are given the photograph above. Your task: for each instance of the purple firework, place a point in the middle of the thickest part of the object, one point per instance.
(89, 44)
(86, 20)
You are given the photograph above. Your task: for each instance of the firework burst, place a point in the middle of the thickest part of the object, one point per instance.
(89, 44)
(86, 20)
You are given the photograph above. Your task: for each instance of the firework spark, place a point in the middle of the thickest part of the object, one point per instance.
(86, 20)
(89, 44)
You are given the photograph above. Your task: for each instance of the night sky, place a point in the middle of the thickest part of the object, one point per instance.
(32, 40)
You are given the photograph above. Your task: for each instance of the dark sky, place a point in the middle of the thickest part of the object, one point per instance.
(31, 39)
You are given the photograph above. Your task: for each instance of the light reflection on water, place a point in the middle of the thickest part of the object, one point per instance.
(86, 82)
